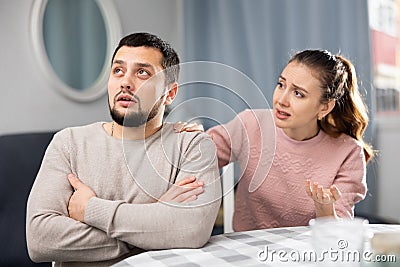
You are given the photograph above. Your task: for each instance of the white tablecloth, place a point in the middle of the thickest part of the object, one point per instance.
(270, 247)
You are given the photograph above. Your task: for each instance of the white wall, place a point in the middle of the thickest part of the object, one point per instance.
(388, 178)
(27, 101)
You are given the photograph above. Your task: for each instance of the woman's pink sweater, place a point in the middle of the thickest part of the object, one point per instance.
(274, 168)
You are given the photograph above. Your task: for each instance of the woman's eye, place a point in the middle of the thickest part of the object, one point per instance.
(117, 70)
(298, 93)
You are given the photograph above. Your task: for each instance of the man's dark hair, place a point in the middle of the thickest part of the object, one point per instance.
(170, 61)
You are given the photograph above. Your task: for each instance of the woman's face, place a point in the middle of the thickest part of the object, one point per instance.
(296, 102)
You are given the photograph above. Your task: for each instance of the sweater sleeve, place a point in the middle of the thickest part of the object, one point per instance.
(166, 225)
(351, 181)
(229, 139)
(51, 234)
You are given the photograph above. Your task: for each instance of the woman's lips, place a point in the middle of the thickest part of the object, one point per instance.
(280, 114)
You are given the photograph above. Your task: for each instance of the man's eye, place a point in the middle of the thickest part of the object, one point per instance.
(280, 85)
(117, 70)
(143, 72)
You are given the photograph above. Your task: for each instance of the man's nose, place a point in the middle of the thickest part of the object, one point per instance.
(127, 84)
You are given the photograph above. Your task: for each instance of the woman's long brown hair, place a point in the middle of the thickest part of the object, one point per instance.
(339, 82)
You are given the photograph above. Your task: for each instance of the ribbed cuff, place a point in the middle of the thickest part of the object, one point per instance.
(100, 213)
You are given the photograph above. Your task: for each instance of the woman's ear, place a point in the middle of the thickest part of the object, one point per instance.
(171, 94)
(326, 108)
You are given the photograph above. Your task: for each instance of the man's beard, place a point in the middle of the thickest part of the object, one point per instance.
(135, 119)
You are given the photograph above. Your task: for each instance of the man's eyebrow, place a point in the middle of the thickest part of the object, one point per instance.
(137, 64)
(283, 78)
(119, 62)
(145, 65)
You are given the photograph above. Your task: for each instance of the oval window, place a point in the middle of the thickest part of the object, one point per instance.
(73, 41)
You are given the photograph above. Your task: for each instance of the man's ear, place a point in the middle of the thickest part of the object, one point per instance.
(171, 94)
(326, 108)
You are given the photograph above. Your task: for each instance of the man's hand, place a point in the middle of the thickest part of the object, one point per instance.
(79, 200)
(185, 190)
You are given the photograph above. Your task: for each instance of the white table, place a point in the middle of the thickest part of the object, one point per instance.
(285, 246)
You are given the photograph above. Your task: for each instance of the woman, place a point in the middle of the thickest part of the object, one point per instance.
(319, 164)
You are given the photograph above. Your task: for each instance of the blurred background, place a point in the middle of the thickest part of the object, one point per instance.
(56, 57)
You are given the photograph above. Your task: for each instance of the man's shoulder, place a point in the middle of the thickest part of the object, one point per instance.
(77, 131)
(184, 138)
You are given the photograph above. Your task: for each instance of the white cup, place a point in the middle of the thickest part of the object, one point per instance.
(338, 242)
(386, 248)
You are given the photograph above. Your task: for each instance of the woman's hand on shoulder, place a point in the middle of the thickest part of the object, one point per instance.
(188, 127)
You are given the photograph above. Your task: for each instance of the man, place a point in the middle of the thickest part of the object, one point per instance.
(119, 198)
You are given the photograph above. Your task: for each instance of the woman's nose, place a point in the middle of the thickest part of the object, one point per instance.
(283, 98)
